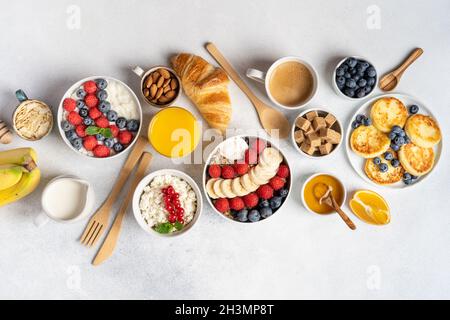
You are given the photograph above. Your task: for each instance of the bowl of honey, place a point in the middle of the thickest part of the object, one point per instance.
(310, 199)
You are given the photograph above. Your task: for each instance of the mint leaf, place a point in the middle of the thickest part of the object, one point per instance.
(106, 132)
(92, 130)
(179, 225)
(164, 228)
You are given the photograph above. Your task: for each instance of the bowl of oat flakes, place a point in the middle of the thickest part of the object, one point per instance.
(167, 202)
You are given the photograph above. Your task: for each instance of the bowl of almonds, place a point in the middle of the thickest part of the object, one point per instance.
(160, 86)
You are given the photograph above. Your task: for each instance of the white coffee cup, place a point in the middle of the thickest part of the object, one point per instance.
(264, 77)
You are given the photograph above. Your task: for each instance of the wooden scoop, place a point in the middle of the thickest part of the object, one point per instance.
(323, 193)
(273, 121)
(389, 81)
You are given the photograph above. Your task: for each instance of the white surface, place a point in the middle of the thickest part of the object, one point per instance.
(297, 254)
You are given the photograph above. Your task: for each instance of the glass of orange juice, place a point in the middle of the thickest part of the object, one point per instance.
(174, 132)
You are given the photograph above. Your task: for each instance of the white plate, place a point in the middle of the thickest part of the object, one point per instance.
(357, 162)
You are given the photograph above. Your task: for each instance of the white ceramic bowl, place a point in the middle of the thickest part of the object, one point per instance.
(146, 181)
(335, 87)
(69, 93)
(315, 175)
(337, 126)
(205, 175)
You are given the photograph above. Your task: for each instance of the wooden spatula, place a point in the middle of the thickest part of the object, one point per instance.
(272, 120)
(109, 244)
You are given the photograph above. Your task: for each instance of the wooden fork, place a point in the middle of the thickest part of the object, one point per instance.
(99, 220)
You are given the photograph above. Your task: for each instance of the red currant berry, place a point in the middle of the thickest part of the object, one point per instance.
(172, 218)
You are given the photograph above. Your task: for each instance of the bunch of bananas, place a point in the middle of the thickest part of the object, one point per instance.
(19, 174)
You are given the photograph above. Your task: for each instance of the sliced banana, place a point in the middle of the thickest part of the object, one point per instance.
(225, 187)
(217, 189)
(248, 184)
(237, 187)
(265, 173)
(255, 179)
(209, 188)
(270, 157)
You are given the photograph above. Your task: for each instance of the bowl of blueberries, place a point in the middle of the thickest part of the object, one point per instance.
(354, 78)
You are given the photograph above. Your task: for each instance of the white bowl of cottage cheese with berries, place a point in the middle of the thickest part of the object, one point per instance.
(167, 202)
(99, 117)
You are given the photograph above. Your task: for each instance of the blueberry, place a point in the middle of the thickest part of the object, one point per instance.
(367, 122)
(118, 147)
(275, 202)
(254, 216)
(71, 135)
(413, 177)
(77, 143)
(356, 78)
(371, 72)
(360, 69)
(101, 83)
(341, 86)
(112, 115)
(99, 137)
(88, 121)
(407, 176)
(121, 123)
(361, 93)
(350, 83)
(353, 72)
(368, 88)
(109, 142)
(376, 160)
(340, 80)
(344, 67)
(383, 167)
(351, 62)
(396, 129)
(407, 139)
(66, 126)
(242, 215)
(80, 104)
(340, 71)
(408, 182)
(365, 64)
(133, 125)
(399, 141)
(360, 118)
(362, 82)
(102, 95)
(395, 147)
(81, 93)
(413, 109)
(104, 106)
(388, 156)
(392, 135)
(84, 112)
(347, 75)
(349, 92)
(402, 133)
(265, 212)
(395, 163)
(263, 203)
(370, 81)
(283, 192)
(355, 124)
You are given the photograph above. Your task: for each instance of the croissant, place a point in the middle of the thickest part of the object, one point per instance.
(207, 87)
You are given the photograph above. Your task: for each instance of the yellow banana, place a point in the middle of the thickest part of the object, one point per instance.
(26, 185)
(20, 156)
(10, 174)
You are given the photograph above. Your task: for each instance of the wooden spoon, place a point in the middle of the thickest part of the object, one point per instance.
(273, 121)
(389, 81)
(323, 193)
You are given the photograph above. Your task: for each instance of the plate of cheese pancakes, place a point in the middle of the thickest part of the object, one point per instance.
(394, 140)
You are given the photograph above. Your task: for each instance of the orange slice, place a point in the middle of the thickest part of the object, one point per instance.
(370, 207)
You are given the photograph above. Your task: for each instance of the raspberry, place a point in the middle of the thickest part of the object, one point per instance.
(241, 168)
(277, 183)
(251, 157)
(283, 171)
(81, 130)
(90, 86)
(94, 113)
(125, 137)
(69, 104)
(265, 192)
(214, 171)
(90, 143)
(114, 130)
(102, 122)
(258, 145)
(250, 200)
(101, 151)
(91, 100)
(222, 205)
(228, 172)
(74, 118)
(237, 204)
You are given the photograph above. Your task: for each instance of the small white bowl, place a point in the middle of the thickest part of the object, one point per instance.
(344, 197)
(337, 126)
(146, 181)
(338, 91)
(205, 175)
(69, 93)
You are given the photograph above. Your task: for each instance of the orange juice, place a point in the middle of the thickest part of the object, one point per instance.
(174, 132)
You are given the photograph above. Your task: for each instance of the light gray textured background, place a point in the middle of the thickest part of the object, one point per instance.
(296, 254)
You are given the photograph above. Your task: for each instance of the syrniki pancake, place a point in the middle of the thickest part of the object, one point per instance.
(373, 172)
(369, 142)
(416, 160)
(225, 187)
(237, 187)
(248, 184)
(423, 130)
(388, 112)
(210, 190)
(217, 188)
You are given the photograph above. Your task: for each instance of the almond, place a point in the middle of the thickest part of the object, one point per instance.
(166, 89)
(155, 76)
(170, 94)
(160, 82)
(153, 90)
(164, 73)
(146, 92)
(163, 99)
(174, 84)
(159, 93)
(148, 82)
(166, 83)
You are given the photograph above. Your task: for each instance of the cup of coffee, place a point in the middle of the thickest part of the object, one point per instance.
(290, 82)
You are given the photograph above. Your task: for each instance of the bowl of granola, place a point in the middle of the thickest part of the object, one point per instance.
(167, 202)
